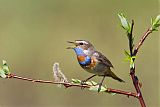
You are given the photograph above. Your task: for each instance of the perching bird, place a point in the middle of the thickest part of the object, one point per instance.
(93, 61)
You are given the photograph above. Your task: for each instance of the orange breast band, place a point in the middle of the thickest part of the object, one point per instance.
(81, 58)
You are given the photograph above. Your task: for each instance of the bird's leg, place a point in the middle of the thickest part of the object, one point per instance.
(100, 84)
(83, 81)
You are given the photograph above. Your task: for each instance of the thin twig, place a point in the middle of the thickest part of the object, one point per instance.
(135, 82)
(132, 69)
(68, 84)
(142, 40)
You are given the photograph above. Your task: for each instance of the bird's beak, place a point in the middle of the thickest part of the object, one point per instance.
(71, 43)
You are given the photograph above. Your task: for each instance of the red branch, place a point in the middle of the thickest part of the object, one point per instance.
(132, 70)
(141, 41)
(135, 82)
(68, 84)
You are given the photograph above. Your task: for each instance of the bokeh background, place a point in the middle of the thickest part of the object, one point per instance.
(33, 35)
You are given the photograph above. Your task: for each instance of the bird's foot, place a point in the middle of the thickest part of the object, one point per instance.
(99, 88)
(83, 82)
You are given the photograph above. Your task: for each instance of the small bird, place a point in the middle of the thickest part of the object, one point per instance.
(93, 61)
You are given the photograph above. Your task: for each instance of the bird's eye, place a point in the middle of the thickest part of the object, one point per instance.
(81, 43)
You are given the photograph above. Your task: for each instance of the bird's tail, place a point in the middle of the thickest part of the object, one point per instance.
(115, 77)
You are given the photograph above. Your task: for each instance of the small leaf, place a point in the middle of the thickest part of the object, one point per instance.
(93, 83)
(132, 65)
(133, 57)
(127, 53)
(152, 21)
(2, 74)
(124, 22)
(103, 89)
(88, 83)
(128, 57)
(76, 81)
(154, 29)
(157, 19)
(4, 62)
(95, 88)
(155, 23)
(5, 67)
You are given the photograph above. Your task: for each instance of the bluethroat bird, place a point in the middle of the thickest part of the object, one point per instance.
(93, 61)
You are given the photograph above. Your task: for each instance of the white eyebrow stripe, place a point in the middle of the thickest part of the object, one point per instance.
(82, 42)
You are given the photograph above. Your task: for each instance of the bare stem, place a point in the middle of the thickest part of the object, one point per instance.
(69, 84)
(142, 40)
(132, 70)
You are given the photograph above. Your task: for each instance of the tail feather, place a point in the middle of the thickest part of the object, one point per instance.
(116, 77)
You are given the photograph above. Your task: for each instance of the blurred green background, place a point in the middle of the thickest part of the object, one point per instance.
(33, 35)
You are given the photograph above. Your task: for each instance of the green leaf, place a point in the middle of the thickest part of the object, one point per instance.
(93, 83)
(2, 74)
(124, 22)
(127, 53)
(155, 23)
(95, 88)
(4, 62)
(133, 57)
(5, 67)
(88, 83)
(129, 58)
(157, 20)
(76, 81)
(132, 65)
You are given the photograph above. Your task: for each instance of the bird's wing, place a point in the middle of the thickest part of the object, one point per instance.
(103, 59)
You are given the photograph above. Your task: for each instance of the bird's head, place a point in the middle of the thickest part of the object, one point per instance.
(82, 46)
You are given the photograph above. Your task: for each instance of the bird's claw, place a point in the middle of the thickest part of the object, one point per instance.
(83, 82)
(99, 88)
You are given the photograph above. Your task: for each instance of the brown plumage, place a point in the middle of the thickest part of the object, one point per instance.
(93, 61)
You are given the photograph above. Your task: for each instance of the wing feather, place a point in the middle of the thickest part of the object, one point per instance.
(100, 57)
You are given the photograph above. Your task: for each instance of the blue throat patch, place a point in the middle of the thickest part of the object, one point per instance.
(80, 52)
